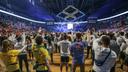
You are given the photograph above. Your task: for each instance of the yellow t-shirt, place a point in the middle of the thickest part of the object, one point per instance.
(10, 60)
(40, 55)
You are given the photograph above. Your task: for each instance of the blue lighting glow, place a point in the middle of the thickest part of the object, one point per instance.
(41, 22)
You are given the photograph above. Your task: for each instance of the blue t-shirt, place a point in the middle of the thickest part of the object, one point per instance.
(77, 51)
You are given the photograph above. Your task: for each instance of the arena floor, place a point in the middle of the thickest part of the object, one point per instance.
(56, 65)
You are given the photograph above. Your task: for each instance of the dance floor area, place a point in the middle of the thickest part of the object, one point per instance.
(55, 66)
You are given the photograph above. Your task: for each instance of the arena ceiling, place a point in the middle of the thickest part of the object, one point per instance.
(44, 10)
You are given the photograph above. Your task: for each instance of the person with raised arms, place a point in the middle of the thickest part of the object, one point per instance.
(9, 57)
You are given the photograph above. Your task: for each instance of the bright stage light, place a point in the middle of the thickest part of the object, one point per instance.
(69, 26)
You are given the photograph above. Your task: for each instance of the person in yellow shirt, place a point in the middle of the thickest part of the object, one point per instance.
(41, 56)
(9, 57)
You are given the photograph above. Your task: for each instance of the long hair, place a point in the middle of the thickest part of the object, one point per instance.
(6, 44)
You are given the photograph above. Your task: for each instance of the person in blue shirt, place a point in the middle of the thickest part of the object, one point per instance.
(77, 52)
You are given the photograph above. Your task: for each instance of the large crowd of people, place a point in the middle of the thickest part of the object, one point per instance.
(105, 48)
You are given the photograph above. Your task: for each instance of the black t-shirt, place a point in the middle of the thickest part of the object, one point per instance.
(2, 38)
(49, 39)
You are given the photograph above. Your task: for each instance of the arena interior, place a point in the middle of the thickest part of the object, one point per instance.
(63, 35)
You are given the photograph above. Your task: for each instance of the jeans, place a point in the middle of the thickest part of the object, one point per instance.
(93, 57)
(82, 67)
(57, 48)
(23, 57)
(51, 54)
(89, 48)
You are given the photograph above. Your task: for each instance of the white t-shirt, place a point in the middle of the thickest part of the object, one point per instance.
(120, 40)
(12, 38)
(100, 54)
(124, 47)
(64, 47)
(95, 44)
(18, 45)
(90, 39)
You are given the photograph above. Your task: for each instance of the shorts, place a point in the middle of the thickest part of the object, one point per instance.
(64, 59)
(126, 60)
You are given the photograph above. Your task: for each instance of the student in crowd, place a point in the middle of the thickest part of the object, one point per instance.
(126, 60)
(65, 52)
(90, 38)
(104, 58)
(120, 39)
(56, 39)
(113, 46)
(124, 49)
(122, 43)
(70, 37)
(29, 47)
(77, 52)
(9, 57)
(2, 37)
(23, 55)
(49, 45)
(41, 56)
(126, 53)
